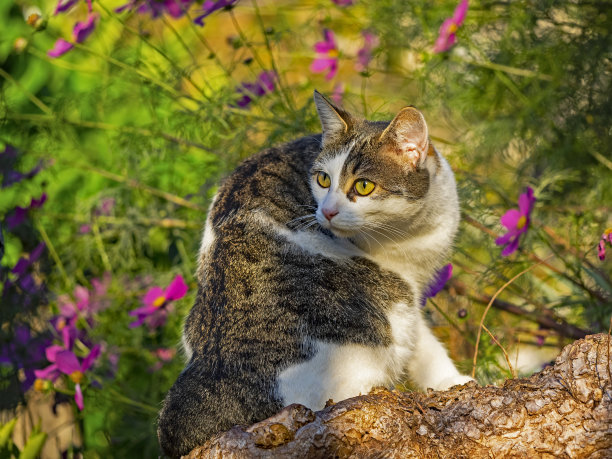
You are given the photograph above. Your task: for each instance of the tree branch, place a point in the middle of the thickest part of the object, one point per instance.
(563, 411)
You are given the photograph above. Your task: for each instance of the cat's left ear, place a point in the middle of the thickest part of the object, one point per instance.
(335, 122)
(407, 135)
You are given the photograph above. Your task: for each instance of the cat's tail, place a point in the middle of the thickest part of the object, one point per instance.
(205, 401)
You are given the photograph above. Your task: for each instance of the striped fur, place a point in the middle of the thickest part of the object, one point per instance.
(293, 308)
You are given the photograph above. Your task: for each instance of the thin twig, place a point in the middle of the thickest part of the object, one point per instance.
(512, 371)
(484, 314)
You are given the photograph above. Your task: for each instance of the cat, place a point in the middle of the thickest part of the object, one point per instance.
(311, 270)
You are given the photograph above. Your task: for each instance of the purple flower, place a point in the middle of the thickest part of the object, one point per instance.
(211, 6)
(438, 283)
(10, 176)
(517, 223)
(24, 263)
(64, 5)
(80, 32)
(446, 36)
(364, 55)
(606, 237)
(26, 352)
(262, 86)
(18, 215)
(327, 55)
(343, 2)
(157, 302)
(156, 8)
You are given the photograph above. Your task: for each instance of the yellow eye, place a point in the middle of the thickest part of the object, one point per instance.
(364, 187)
(323, 180)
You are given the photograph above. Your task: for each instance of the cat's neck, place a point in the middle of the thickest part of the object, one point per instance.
(417, 248)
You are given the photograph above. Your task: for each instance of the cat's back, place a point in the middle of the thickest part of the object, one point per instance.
(274, 182)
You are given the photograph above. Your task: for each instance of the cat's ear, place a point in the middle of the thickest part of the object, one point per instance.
(408, 137)
(334, 121)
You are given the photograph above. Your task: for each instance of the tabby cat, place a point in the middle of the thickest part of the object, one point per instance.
(312, 266)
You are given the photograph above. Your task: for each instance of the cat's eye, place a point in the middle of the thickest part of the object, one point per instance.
(323, 180)
(364, 187)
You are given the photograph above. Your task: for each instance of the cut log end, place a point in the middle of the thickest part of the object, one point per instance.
(564, 410)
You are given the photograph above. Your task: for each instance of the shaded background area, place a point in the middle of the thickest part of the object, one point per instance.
(111, 152)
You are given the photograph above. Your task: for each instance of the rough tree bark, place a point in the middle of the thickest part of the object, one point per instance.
(563, 411)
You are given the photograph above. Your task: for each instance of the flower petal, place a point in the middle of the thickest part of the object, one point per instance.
(460, 12)
(526, 201)
(60, 48)
(51, 372)
(91, 358)
(67, 362)
(82, 30)
(51, 352)
(177, 289)
(78, 397)
(151, 295)
(510, 219)
(511, 248)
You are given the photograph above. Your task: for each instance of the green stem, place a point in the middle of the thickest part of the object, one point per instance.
(35, 100)
(54, 255)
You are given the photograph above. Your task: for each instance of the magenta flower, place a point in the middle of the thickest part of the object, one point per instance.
(157, 302)
(262, 86)
(606, 237)
(517, 223)
(327, 55)
(364, 55)
(438, 283)
(10, 176)
(80, 32)
(64, 361)
(210, 6)
(343, 2)
(19, 214)
(446, 36)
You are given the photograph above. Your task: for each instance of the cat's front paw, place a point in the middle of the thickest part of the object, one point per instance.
(457, 380)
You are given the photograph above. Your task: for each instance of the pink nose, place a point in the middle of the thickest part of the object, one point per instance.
(329, 213)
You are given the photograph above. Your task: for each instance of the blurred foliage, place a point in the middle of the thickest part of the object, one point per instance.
(137, 124)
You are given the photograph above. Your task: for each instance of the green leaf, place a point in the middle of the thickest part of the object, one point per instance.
(34, 446)
(6, 431)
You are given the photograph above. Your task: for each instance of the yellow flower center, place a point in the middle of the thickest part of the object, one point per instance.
(61, 324)
(452, 28)
(159, 301)
(521, 222)
(76, 377)
(608, 231)
(40, 385)
(332, 53)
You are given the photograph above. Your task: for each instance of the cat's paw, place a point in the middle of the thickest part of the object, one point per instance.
(456, 380)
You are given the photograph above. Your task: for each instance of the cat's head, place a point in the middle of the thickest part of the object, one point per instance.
(372, 177)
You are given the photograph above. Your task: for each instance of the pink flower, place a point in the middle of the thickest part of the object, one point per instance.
(337, 94)
(156, 302)
(327, 55)
(64, 361)
(364, 55)
(517, 223)
(80, 32)
(343, 2)
(446, 36)
(606, 237)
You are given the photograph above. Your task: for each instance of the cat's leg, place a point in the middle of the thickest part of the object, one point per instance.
(430, 365)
